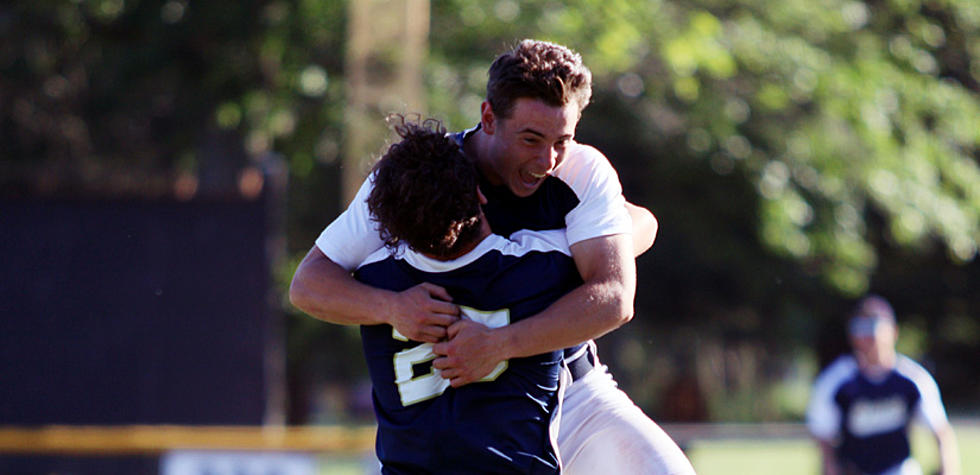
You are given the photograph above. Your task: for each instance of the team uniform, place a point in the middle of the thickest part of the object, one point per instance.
(867, 420)
(426, 426)
(601, 427)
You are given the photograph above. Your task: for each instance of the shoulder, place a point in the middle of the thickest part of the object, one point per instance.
(588, 172)
(913, 371)
(908, 366)
(843, 364)
(823, 412)
(838, 372)
(582, 159)
(380, 255)
(583, 151)
(525, 241)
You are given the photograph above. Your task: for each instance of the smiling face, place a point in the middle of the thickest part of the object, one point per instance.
(522, 149)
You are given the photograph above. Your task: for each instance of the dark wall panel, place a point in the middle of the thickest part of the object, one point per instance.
(120, 312)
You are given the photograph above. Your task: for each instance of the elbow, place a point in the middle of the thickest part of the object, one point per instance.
(620, 308)
(299, 296)
(625, 312)
(295, 296)
(625, 298)
(654, 229)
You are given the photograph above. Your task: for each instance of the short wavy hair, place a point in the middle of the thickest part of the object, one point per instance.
(538, 70)
(425, 191)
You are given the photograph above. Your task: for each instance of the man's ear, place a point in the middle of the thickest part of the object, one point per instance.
(479, 193)
(488, 120)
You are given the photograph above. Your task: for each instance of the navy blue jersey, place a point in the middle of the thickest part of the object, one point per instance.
(869, 418)
(500, 425)
(878, 415)
(544, 209)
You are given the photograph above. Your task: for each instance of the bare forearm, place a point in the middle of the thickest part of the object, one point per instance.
(327, 292)
(601, 304)
(829, 458)
(949, 457)
(588, 312)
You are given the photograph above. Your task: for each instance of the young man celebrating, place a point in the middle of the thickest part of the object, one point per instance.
(535, 176)
(863, 403)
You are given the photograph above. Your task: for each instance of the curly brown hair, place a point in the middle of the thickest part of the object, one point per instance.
(425, 191)
(538, 70)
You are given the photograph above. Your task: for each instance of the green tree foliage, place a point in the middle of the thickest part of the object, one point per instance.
(831, 109)
(797, 153)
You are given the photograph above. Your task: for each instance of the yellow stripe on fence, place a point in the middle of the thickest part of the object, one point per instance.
(141, 439)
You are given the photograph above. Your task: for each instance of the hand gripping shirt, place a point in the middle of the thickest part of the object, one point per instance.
(869, 418)
(501, 424)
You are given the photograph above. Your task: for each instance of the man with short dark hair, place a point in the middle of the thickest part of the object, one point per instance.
(863, 403)
(535, 176)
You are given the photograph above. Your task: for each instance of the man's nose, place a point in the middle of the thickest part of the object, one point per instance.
(548, 156)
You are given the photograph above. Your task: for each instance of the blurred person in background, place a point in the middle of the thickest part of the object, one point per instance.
(535, 176)
(863, 403)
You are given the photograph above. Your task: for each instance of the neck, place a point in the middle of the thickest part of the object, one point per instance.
(876, 362)
(466, 248)
(477, 147)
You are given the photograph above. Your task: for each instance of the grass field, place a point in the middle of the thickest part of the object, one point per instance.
(758, 457)
(801, 457)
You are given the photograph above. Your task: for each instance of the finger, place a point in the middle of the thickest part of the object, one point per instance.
(441, 363)
(441, 348)
(449, 374)
(435, 332)
(436, 291)
(453, 330)
(441, 319)
(426, 338)
(458, 382)
(424, 335)
(445, 308)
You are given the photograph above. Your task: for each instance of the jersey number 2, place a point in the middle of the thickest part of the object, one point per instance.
(414, 389)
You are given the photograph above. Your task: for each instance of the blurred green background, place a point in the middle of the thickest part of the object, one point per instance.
(796, 153)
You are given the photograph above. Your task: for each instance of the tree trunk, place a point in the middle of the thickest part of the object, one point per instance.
(386, 46)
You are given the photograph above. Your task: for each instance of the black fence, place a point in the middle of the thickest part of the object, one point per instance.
(134, 311)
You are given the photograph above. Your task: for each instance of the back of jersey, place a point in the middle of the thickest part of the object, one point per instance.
(498, 425)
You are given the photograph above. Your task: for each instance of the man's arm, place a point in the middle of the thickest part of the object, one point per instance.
(830, 464)
(324, 290)
(601, 304)
(645, 227)
(949, 456)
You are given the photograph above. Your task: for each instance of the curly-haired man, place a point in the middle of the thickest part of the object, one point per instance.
(427, 203)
